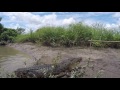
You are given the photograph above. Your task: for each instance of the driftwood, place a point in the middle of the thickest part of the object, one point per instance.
(44, 71)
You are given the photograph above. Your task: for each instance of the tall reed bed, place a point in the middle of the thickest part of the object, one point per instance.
(74, 35)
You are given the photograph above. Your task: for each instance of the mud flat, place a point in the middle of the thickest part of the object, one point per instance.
(105, 59)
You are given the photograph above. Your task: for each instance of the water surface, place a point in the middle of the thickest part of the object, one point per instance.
(12, 59)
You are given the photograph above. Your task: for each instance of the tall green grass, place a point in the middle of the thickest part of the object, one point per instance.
(74, 35)
(30, 37)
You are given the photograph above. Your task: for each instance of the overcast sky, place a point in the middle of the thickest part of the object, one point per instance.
(34, 20)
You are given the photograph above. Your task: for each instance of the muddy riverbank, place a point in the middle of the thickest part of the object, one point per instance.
(105, 59)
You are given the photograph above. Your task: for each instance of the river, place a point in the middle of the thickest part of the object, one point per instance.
(11, 59)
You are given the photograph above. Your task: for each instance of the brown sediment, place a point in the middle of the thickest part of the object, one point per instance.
(105, 59)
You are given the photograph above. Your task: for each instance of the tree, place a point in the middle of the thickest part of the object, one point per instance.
(1, 27)
(20, 30)
(0, 18)
(9, 35)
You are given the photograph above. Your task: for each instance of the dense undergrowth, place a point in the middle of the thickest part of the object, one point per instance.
(73, 35)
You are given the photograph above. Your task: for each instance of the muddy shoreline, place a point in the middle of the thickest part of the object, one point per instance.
(106, 59)
(42, 54)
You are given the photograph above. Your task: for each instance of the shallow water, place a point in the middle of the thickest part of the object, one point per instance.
(12, 59)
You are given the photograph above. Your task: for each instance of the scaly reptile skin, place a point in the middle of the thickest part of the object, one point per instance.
(42, 71)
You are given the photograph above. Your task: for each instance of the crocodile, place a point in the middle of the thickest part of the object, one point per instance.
(45, 70)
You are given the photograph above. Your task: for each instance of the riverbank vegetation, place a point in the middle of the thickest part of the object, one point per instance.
(74, 35)
(8, 35)
(77, 34)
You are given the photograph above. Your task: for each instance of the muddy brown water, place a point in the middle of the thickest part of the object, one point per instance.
(12, 59)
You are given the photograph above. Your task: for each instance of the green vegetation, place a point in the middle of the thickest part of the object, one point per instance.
(73, 35)
(8, 35)
(76, 34)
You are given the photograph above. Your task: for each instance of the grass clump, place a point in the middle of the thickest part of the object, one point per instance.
(50, 36)
(22, 38)
(30, 37)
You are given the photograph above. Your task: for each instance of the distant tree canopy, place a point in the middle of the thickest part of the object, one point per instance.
(1, 26)
(8, 34)
(0, 18)
(20, 30)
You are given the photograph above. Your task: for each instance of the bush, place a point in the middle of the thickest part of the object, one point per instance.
(8, 35)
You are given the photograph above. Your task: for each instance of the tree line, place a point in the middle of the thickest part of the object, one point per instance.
(8, 34)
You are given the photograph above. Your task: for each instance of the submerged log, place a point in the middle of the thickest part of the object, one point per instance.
(44, 71)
